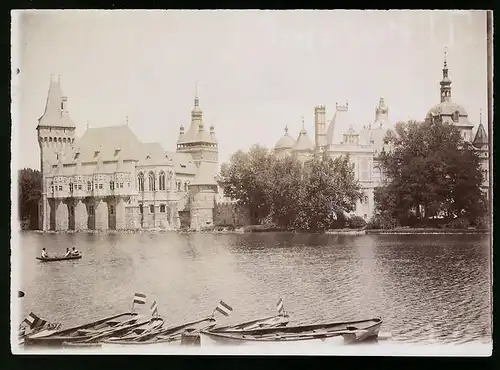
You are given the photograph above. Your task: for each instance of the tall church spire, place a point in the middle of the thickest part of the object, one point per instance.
(445, 82)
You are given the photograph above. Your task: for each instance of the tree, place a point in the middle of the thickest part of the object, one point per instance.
(247, 178)
(286, 191)
(331, 189)
(30, 191)
(431, 171)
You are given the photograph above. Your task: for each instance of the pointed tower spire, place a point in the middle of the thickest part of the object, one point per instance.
(445, 82)
(196, 100)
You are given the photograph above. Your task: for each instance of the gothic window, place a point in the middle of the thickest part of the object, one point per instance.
(64, 140)
(89, 185)
(91, 210)
(366, 199)
(151, 209)
(111, 209)
(112, 185)
(161, 180)
(186, 186)
(71, 187)
(162, 208)
(151, 181)
(455, 116)
(178, 184)
(141, 210)
(60, 140)
(50, 139)
(140, 181)
(121, 185)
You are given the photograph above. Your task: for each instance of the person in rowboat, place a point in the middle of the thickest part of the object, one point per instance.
(44, 253)
(68, 253)
(75, 252)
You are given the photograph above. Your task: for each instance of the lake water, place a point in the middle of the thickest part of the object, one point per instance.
(427, 288)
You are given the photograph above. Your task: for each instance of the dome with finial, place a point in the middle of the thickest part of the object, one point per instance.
(286, 141)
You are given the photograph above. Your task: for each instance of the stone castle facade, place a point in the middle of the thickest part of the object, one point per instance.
(108, 179)
(343, 136)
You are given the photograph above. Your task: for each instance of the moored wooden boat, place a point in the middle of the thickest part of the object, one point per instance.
(160, 337)
(267, 322)
(344, 332)
(52, 259)
(132, 331)
(81, 332)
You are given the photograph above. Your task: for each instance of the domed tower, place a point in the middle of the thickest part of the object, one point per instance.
(448, 111)
(197, 141)
(56, 135)
(284, 145)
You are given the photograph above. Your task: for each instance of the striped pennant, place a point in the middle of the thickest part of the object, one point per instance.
(280, 307)
(34, 321)
(224, 308)
(139, 298)
(154, 309)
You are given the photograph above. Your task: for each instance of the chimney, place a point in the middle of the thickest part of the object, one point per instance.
(319, 126)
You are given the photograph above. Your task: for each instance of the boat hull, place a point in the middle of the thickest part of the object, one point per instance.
(74, 334)
(53, 259)
(338, 333)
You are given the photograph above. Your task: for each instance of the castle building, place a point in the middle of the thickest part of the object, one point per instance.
(108, 179)
(342, 136)
(450, 112)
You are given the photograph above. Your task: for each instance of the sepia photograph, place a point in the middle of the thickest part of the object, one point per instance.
(281, 182)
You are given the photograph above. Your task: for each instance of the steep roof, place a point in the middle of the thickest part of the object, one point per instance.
(339, 125)
(110, 142)
(153, 154)
(481, 138)
(204, 175)
(183, 163)
(54, 115)
(303, 142)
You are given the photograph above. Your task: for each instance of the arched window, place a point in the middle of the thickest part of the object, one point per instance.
(178, 183)
(89, 185)
(151, 208)
(112, 185)
(141, 210)
(151, 181)
(186, 186)
(64, 140)
(162, 208)
(60, 140)
(50, 139)
(71, 187)
(161, 180)
(140, 181)
(455, 116)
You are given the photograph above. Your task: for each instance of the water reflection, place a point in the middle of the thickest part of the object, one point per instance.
(434, 288)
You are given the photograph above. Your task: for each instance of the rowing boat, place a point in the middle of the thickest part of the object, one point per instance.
(339, 333)
(132, 331)
(160, 337)
(52, 259)
(268, 322)
(82, 332)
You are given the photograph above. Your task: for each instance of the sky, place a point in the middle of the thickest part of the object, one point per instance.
(257, 71)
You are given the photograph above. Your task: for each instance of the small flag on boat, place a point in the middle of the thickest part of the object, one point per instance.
(34, 321)
(280, 307)
(154, 309)
(139, 298)
(224, 308)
